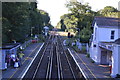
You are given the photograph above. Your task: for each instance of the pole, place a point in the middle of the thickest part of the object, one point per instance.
(79, 33)
(32, 31)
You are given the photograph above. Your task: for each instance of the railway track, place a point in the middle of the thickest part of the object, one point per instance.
(73, 68)
(53, 62)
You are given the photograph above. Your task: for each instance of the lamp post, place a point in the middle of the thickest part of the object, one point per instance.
(32, 31)
(10, 35)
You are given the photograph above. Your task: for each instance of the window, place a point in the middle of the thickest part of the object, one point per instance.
(112, 34)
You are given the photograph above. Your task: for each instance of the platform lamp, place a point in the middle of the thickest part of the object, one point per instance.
(32, 31)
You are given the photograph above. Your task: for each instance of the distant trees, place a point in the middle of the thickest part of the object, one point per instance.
(81, 16)
(109, 11)
(19, 17)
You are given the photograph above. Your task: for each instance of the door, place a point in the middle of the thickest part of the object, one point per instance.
(103, 57)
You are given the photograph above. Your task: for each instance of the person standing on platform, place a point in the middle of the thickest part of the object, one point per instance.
(13, 58)
(8, 59)
(20, 57)
(16, 64)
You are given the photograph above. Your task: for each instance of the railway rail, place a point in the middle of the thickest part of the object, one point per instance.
(54, 62)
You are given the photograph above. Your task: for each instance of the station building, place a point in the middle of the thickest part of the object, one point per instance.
(7, 50)
(103, 46)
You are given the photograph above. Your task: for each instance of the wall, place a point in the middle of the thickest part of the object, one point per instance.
(0, 58)
(119, 32)
(105, 34)
(115, 60)
(119, 59)
(2, 65)
(101, 34)
(95, 52)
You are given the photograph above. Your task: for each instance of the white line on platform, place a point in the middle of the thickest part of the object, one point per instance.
(31, 61)
(77, 64)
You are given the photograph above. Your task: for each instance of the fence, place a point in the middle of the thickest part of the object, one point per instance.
(25, 44)
(83, 46)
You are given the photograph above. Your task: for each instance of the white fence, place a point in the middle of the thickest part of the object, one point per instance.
(83, 45)
(24, 45)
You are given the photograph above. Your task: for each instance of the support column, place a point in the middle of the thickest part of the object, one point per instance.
(115, 60)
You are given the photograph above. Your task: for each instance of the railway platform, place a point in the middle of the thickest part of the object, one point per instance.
(90, 70)
(29, 52)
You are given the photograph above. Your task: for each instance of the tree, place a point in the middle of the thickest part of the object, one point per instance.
(16, 14)
(18, 19)
(85, 34)
(108, 11)
(80, 16)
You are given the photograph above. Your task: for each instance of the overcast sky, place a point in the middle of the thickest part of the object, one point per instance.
(56, 8)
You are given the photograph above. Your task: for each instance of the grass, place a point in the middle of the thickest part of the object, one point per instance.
(41, 38)
(92, 61)
(88, 55)
(75, 48)
(70, 40)
(83, 49)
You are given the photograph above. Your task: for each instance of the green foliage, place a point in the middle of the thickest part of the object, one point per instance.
(88, 55)
(41, 38)
(19, 17)
(78, 8)
(85, 35)
(108, 11)
(58, 25)
(81, 16)
(83, 49)
(92, 61)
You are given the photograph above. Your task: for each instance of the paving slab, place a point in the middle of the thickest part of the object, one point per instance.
(89, 69)
(29, 54)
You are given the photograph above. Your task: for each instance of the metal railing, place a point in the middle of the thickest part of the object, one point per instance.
(25, 44)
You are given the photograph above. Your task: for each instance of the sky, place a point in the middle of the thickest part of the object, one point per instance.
(56, 8)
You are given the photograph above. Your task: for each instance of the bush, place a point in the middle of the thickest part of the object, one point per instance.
(41, 38)
(92, 61)
(85, 35)
(117, 75)
(83, 49)
(88, 55)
